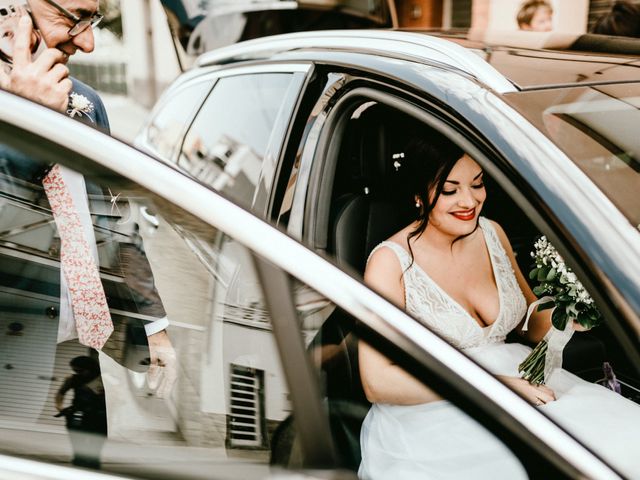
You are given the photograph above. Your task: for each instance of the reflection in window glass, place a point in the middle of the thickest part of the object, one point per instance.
(226, 144)
(596, 127)
(65, 401)
(167, 128)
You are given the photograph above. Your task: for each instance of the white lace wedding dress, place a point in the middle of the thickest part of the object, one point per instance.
(436, 440)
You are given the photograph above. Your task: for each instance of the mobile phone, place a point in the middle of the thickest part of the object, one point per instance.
(10, 13)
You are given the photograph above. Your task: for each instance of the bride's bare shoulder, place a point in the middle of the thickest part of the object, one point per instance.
(384, 260)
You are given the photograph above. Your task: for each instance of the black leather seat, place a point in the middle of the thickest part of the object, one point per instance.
(375, 205)
(368, 206)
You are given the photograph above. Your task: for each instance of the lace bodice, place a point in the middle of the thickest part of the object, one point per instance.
(429, 303)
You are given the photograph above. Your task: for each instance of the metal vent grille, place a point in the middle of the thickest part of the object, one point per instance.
(246, 422)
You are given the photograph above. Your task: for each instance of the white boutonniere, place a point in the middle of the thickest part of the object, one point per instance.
(79, 105)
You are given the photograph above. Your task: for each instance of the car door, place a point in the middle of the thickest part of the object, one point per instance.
(246, 304)
(344, 197)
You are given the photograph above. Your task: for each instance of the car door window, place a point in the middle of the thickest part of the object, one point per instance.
(166, 129)
(593, 126)
(64, 400)
(226, 145)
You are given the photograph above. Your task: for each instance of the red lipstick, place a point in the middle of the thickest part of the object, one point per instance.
(465, 215)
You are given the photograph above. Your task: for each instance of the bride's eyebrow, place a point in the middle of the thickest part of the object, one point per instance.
(455, 182)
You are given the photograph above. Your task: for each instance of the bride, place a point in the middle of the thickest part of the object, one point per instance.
(456, 272)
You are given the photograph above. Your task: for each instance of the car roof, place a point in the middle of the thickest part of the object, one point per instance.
(553, 60)
(504, 68)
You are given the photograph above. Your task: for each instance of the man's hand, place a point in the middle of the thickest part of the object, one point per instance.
(45, 80)
(163, 369)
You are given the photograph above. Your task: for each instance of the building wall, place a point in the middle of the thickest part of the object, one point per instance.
(153, 63)
(568, 15)
(419, 13)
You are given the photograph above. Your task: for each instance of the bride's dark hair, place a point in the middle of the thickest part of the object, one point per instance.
(429, 158)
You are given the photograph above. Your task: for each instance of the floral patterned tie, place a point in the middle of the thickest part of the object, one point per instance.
(88, 301)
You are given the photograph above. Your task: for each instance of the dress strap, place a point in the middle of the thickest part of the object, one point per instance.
(491, 237)
(401, 253)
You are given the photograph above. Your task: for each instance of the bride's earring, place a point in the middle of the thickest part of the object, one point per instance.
(417, 204)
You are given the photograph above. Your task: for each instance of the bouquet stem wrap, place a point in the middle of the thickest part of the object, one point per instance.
(570, 302)
(547, 356)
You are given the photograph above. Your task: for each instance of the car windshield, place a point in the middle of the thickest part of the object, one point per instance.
(597, 127)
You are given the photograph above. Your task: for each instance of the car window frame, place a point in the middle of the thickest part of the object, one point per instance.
(503, 160)
(36, 130)
(317, 196)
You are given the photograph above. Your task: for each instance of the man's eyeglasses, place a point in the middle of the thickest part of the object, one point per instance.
(81, 24)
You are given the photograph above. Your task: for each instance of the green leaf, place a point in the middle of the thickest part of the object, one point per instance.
(546, 305)
(584, 319)
(559, 319)
(551, 275)
(533, 273)
(539, 290)
(542, 273)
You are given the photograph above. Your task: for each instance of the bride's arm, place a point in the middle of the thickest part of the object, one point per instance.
(382, 380)
(540, 322)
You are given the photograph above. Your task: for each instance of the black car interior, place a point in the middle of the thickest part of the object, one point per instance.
(367, 206)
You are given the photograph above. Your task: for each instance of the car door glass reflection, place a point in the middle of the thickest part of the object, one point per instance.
(66, 401)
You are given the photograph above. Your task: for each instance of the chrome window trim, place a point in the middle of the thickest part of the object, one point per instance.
(291, 256)
(276, 67)
(420, 46)
(314, 125)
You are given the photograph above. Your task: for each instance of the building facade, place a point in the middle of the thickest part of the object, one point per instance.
(574, 16)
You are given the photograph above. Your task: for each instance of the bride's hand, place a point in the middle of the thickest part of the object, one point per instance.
(535, 394)
(579, 327)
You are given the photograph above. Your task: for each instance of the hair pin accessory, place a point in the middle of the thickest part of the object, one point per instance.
(396, 157)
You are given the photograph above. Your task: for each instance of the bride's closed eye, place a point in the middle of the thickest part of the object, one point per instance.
(477, 186)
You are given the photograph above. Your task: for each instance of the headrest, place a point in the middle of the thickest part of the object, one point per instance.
(381, 139)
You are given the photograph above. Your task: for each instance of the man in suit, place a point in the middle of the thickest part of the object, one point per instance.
(38, 72)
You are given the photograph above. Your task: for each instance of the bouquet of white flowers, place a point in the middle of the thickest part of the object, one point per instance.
(560, 289)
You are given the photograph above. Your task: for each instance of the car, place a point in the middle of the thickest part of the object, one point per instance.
(264, 322)
(252, 323)
(203, 27)
(303, 129)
